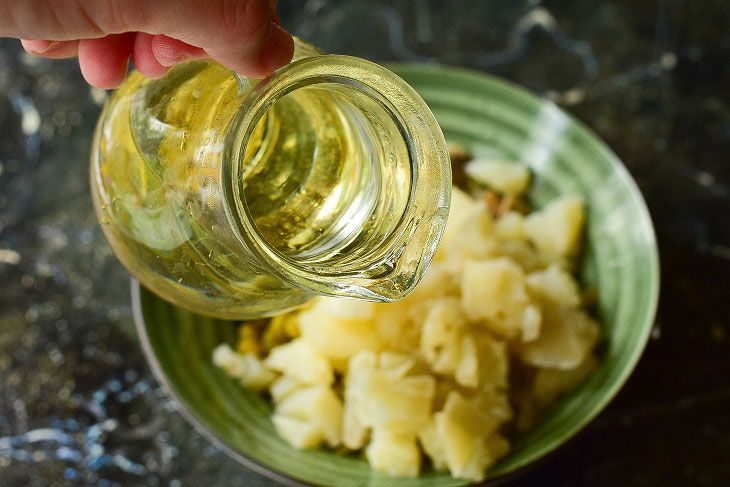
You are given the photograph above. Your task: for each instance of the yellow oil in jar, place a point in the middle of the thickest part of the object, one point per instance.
(325, 177)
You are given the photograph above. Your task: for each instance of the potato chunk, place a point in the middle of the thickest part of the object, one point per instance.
(298, 360)
(432, 445)
(463, 427)
(493, 291)
(511, 226)
(554, 285)
(319, 407)
(568, 335)
(335, 333)
(556, 229)
(440, 335)
(247, 368)
(501, 176)
(394, 453)
(459, 211)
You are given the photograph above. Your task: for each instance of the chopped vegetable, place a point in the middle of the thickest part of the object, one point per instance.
(498, 322)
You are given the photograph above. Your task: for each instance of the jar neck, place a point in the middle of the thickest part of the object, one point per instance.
(336, 177)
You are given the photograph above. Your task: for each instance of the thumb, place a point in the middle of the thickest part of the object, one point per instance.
(243, 35)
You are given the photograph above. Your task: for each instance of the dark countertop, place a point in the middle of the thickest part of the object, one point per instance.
(651, 78)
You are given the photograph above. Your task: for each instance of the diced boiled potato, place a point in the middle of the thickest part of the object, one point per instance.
(354, 429)
(545, 387)
(475, 239)
(230, 361)
(472, 456)
(467, 370)
(531, 321)
(402, 405)
(432, 445)
(554, 284)
(319, 405)
(440, 335)
(355, 422)
(282, 387)
(556, 229)
(397, 365)
(494, 291)
(248, 341)
(567, 337)
(459, 212)
(501, 176)
(297, 432)
(335, 337)
(493, 362)
(439, 280)
(523, 254)
(474, 467)
(493, 403)
(462, 426)
(394, 453)
(487, 452)
(549, 384)
(510, 226)
(343, 308)
(381, 399)
(460, 413)
(395, 327)
(363, 361)
(281, 329)
(298, 360)
(247, 368)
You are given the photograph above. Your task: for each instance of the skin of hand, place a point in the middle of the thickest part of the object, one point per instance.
(243, 35)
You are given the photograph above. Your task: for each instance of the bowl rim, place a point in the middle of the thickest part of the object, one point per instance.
(520, 468)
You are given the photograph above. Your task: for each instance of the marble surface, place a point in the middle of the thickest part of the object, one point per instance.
(78, 405)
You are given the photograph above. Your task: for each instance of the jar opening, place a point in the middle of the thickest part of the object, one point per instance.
(324, 177)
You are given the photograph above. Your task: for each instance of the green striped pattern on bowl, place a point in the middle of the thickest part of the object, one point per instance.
(491, 117)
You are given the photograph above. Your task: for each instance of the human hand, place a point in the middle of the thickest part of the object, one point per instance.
(243, 35)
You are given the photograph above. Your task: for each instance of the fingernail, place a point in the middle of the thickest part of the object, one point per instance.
(168, 62)
(49, 46)
(278, 50)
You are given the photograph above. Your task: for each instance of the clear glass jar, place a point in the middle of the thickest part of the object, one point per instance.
(241, 198)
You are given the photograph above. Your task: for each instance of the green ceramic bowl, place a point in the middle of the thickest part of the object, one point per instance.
(620, 260)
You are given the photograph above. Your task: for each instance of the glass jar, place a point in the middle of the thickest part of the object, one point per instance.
(241, 198)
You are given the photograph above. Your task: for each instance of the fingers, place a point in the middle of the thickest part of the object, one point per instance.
(240, 34)
(51, 49)
(258, 60)
(104, 61)
(243, 35)
(278, 50)
(169, 51)
(144, 59)
(153, 55)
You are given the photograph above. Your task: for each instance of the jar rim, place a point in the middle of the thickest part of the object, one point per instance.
(415, 237)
